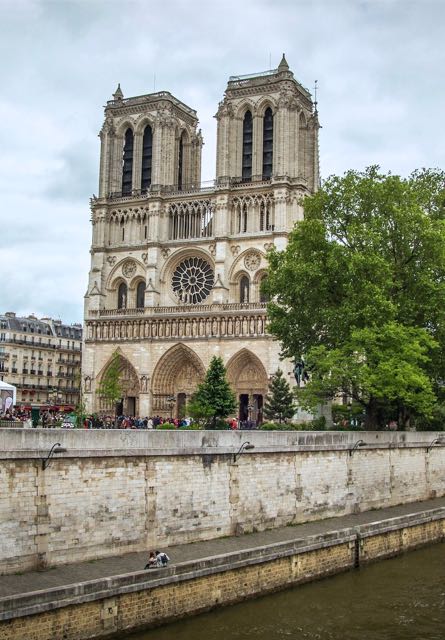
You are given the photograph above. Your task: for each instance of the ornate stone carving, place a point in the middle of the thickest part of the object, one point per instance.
(212, 249)
(252, 260)
(145, 258)
(235, 249)
(268, 246)
(111, 260)
(129, 268)
(165, 252)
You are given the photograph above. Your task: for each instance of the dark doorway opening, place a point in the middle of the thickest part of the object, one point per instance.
(181, 402)
(243, 407)
(131, 406)
(120, 408)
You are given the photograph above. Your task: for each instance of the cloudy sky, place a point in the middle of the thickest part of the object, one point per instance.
(379, 66)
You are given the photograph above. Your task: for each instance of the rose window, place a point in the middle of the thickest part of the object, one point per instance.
(192, 280)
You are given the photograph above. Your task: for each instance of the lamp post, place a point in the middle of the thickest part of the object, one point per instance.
(56, 448)
(359, 443)
(440, 440)
(244, 447)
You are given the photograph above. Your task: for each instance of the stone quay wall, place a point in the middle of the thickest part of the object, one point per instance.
(113, 492)
(120, 604)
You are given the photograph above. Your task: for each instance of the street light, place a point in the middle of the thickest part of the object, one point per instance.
(56, 448)
(244, 447)
(359, 443)
(440, 440)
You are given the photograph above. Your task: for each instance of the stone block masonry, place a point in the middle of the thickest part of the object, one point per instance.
(112, 606)
(114, 492)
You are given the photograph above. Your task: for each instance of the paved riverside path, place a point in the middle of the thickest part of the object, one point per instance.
(117, 565)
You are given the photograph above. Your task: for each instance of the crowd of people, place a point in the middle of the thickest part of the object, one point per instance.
(53, 419)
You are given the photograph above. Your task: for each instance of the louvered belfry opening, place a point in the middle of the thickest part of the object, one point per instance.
(180, 162)
(247, 147)
(147, 153)
(127, 163)
(267, 144)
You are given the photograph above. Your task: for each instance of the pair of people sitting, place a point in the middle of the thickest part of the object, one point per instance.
(157, 559)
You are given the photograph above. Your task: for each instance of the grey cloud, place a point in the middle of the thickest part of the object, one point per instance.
(378, 63)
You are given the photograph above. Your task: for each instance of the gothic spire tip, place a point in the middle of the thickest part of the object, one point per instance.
(118, 95)
(283, 66)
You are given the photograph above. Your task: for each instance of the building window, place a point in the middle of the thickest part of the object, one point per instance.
(181, 162)
(267, 144)
(127, 163)
(247, 146)
(140, 295)
(122, 296)
(147, 152)
(244, 286)
(263, 296)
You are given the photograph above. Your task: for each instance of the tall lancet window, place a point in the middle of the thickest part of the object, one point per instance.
(127, 163)
(147, 152)
(140, 295)
(181, 163)
(267, 144)
(122, 296)
(247, 146)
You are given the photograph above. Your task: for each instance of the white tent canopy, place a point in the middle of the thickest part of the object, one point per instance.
(8, 396)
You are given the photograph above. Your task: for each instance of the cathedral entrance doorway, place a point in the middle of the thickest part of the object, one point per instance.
(248, 378)
(129, 385)
(175, 379)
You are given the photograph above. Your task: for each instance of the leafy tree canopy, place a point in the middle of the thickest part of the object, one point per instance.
(110, 388)
(214, 396)
(360, 291)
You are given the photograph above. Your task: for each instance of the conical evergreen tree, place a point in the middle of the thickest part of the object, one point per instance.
(279, 400)
(215, 392)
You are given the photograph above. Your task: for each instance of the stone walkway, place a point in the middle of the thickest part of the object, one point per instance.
(116, 565)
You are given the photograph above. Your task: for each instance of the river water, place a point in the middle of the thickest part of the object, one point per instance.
(398, 599)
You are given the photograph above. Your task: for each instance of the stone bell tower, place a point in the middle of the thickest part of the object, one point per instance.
(176, 266)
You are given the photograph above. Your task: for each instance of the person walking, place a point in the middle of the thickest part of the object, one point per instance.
(162, 559)
(152, 561)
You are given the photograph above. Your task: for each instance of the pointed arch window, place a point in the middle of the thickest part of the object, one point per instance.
(127, 163)
(247, 146)
(263, 295)
(267, 144)
(140, 295)
(244, 286)
(122, 296)
(181, 162)
(147, 154)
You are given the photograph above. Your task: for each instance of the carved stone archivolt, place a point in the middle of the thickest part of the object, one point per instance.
(129, 268)
(252, 260)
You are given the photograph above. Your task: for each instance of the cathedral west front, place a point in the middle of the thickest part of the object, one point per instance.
(176, 267)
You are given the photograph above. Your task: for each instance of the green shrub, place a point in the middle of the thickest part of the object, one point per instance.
(166, 425)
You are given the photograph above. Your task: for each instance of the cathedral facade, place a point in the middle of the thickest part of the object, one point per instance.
(176, 267)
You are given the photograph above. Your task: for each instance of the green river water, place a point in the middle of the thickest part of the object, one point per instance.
(398, 599)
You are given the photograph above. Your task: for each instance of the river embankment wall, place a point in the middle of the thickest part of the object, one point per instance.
(112, 606)
(113, 492)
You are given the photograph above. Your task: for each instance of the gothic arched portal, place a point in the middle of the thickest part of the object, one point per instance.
(175, 378)
(129, 384)
(248, 378)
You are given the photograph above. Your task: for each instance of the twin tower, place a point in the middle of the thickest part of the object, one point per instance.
(176, 267)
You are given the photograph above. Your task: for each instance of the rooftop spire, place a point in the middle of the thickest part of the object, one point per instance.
(283, 66)
(118, 95)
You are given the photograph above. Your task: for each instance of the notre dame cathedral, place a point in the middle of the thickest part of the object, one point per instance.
(176, 267)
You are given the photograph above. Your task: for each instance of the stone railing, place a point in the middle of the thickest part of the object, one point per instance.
(186, 309)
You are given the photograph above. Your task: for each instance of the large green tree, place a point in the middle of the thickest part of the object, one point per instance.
(280, 403)
(110, 388)
(360, 292)
(214, 395)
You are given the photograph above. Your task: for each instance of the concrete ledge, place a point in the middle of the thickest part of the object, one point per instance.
(47, 600)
